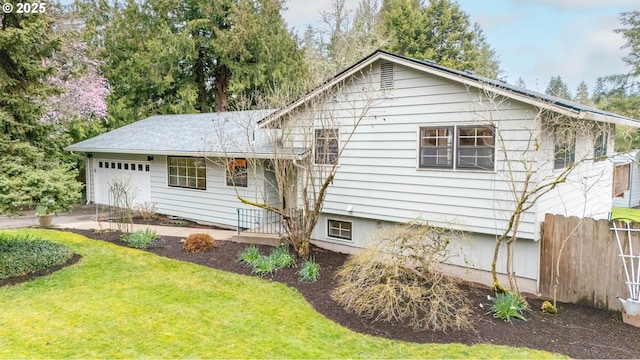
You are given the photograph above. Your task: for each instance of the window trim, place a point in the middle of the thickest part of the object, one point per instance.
(454, 148)
(231, 180)
(324, 162)
(186, 176)
(338, 236)
(600, 144)
(568, 147)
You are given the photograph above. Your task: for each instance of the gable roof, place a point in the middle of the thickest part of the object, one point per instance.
(540, 100)
(225, 134)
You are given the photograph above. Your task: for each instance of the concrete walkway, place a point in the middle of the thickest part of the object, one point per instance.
(84, 217)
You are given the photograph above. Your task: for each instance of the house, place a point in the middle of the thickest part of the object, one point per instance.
(626, 180)
(412, 140)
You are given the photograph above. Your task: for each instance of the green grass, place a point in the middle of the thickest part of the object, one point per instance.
(625, 213)
(124, 303)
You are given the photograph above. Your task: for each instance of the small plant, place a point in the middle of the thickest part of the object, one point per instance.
(309, 271)
(250, 255)
(199, 243)
(509, 305)
(140, 239)
(146, 210)
(46, 207)
(264, 266)
(281, 257)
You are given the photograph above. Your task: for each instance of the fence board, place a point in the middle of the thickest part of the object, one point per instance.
(590, 270)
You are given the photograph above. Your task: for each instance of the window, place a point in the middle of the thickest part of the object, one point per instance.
(600, 144)
(133, 167)
(139, 167)
(126, 166)
(621, 179)
(237, 172)
(119, 166)
(326, 146)
(186, 172)
(565, 147)
(339, 229)
(113, 165)
(474, 147)
(99, 164)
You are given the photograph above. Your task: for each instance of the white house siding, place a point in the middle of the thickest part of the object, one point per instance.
(378, 177)
(217, 204)
(631, 197)
(474, 255)
(587, 191)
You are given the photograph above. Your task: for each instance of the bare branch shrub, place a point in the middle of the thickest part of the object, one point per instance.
(146, 210)
(398, 279)
(123, 193)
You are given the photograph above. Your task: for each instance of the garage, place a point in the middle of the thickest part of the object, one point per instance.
(136, 173)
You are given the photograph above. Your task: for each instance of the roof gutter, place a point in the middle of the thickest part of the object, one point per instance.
(190, 154)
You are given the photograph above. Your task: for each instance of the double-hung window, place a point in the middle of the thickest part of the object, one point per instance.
(326, 146)
(186, 172)
(457, 147)
(565, 147)
(237, 173)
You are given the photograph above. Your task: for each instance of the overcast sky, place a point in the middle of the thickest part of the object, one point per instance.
(535, 39)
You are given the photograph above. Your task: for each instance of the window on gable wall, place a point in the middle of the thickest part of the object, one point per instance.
(326, 146)
(600, 143)
(564, 147)
(237, 172)
(457, 147)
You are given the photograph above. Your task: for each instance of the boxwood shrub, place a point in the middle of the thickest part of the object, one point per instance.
(21, 255)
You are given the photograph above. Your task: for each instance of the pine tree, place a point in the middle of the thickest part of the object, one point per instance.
(558, 88)
(582, 94)
(439, 31)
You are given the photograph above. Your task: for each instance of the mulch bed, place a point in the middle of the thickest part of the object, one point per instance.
(576, 331)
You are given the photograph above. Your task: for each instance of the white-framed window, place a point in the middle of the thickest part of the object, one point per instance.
(237, 172)
(600, 143)
(326, 146)
(186, 172)
(564, 147)
(457, 147)
(339, 229)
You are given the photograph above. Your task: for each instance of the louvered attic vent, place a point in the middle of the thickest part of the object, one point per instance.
(386, 75)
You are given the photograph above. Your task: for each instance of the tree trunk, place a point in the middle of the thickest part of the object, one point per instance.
(222, 87)
(199, 69)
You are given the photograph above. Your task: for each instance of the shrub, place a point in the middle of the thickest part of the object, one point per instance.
(309, 271)
(20, 255)
(250, 255)
(397, 279)
(263, 266)
(140, 239)
(281, 257)
(199, 243)
(146, 210)
(509, 305)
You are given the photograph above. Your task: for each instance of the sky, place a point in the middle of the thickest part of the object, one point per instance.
(534, 39)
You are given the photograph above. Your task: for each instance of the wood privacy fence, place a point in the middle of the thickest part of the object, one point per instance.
(589, 270)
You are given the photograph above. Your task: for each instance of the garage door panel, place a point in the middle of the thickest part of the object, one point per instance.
(135, 172)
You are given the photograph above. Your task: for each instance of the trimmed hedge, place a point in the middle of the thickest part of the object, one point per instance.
(21, 255)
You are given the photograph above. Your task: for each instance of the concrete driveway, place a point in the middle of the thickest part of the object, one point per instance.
(84, 217)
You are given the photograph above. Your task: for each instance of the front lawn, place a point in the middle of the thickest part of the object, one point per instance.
(125, 303)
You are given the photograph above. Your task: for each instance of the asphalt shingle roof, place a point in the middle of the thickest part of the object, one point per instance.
(225, 133)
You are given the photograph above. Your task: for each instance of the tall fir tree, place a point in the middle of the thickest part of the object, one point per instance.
(557, 87)
(439, 31)
(185, 56)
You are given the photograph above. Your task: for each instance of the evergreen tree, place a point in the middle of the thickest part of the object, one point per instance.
(558, 88)
(582, 94)
(439, 31)
(185, 56)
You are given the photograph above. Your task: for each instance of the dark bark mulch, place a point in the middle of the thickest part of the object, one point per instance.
(576, 331)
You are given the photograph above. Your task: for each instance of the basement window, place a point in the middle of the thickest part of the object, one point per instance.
(339, 229)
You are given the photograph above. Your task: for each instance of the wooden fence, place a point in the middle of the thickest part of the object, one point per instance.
(579, 259)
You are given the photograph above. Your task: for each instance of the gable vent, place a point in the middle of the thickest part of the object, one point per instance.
(386, 75)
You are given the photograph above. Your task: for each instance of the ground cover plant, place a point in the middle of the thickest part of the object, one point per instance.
(262, 265)
(140, 239)
(23, 254)
(126, 303)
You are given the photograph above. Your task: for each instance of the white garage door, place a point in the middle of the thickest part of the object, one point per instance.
(136, 173)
